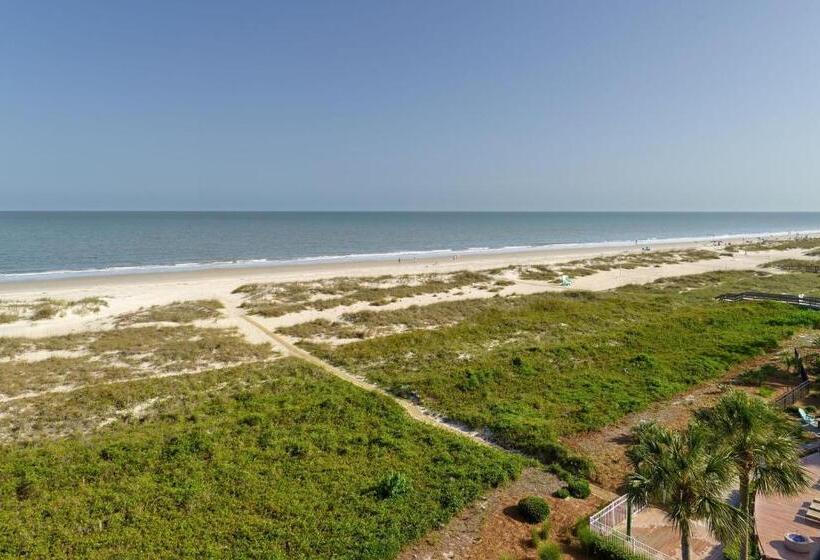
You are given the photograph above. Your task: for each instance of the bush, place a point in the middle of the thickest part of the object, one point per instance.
(578, 488)
(540, 534)
(601, 549)
(392, 485)
(534, 509)
(562, 493)
(549, 551)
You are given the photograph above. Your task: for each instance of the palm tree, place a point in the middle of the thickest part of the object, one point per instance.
(762, 450)
(680, 473)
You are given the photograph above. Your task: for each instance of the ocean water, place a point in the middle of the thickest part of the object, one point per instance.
(58, 244)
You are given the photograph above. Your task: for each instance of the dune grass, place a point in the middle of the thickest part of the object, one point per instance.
(176, 312)
(777, 244)
(273, 300)
(798, 265)
(47, 308)
(77, 359)
(537, 367)
(627, 261)
(294, 464)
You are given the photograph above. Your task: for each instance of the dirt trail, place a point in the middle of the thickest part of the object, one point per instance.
(415, 411)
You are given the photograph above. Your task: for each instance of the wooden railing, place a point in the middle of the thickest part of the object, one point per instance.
(804, 301)
(807, 301)
(793, 395)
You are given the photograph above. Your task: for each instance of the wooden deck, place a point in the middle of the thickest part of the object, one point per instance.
(651, 527)
(777, 515)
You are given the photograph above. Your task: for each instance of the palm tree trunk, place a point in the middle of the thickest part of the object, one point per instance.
(684, 542)
(628, 517)
(744, 507)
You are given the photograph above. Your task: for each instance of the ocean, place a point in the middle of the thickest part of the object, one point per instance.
(62, 244)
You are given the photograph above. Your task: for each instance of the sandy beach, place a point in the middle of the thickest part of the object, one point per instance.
(129, 292)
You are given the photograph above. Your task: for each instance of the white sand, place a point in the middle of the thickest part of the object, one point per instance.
(127, 293)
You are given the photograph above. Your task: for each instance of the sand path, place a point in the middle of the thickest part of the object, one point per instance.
(414, 410)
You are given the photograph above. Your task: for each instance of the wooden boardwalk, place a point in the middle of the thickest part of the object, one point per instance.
(777, 515)
(804, 301)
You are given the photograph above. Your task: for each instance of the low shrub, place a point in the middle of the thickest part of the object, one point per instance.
(578, 488)
(534, 509)
(540, 534)
(393, 484)
(549, 551)
(562, 493)
(600, 548)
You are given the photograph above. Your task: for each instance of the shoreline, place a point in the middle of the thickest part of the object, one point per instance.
(360, 265)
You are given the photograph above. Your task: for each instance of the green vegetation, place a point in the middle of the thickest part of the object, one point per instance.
(562, 493)
(283, 462)
(47, 308)
(176, 312)
(273, 300)
(367, 324)
(578, 488)
(95, 357)
(549, 551)
(531, 368)
(796, 265)
(601, 548)
(586, 267)
(534, 509)
(777, 245)
(540, 534)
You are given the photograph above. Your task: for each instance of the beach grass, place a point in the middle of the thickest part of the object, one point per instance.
(176, 312)
(273, 300)
(530, 369)
(806, 242)
(624, 261)
(47, 308)
(282, 461)
(43, 364)
(799, 265)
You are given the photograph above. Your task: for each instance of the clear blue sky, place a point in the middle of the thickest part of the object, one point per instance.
(417, 105)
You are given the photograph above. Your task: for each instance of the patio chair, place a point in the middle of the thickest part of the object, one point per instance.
(815, 505)
(812, 515)
(566, 281)
(807, 419)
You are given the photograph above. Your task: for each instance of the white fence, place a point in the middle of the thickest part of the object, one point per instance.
(607, 523)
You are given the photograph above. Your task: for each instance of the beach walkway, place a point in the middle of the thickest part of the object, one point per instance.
(414, 410)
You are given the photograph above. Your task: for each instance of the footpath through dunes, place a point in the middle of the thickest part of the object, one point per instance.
(537, 368)
(277, 460)
(414, 410)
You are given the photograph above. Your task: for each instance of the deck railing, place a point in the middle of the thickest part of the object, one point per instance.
(605, 523)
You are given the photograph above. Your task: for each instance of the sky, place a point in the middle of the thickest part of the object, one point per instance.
(409, 105)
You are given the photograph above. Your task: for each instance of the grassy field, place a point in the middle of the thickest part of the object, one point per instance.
(532, 368)
(263, 461)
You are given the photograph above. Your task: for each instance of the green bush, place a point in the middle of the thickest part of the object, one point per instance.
(549, 551)
(562, 493)
(393, 484)
(540, 534)
(600, 548)
(534, 509)
(578, 488)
